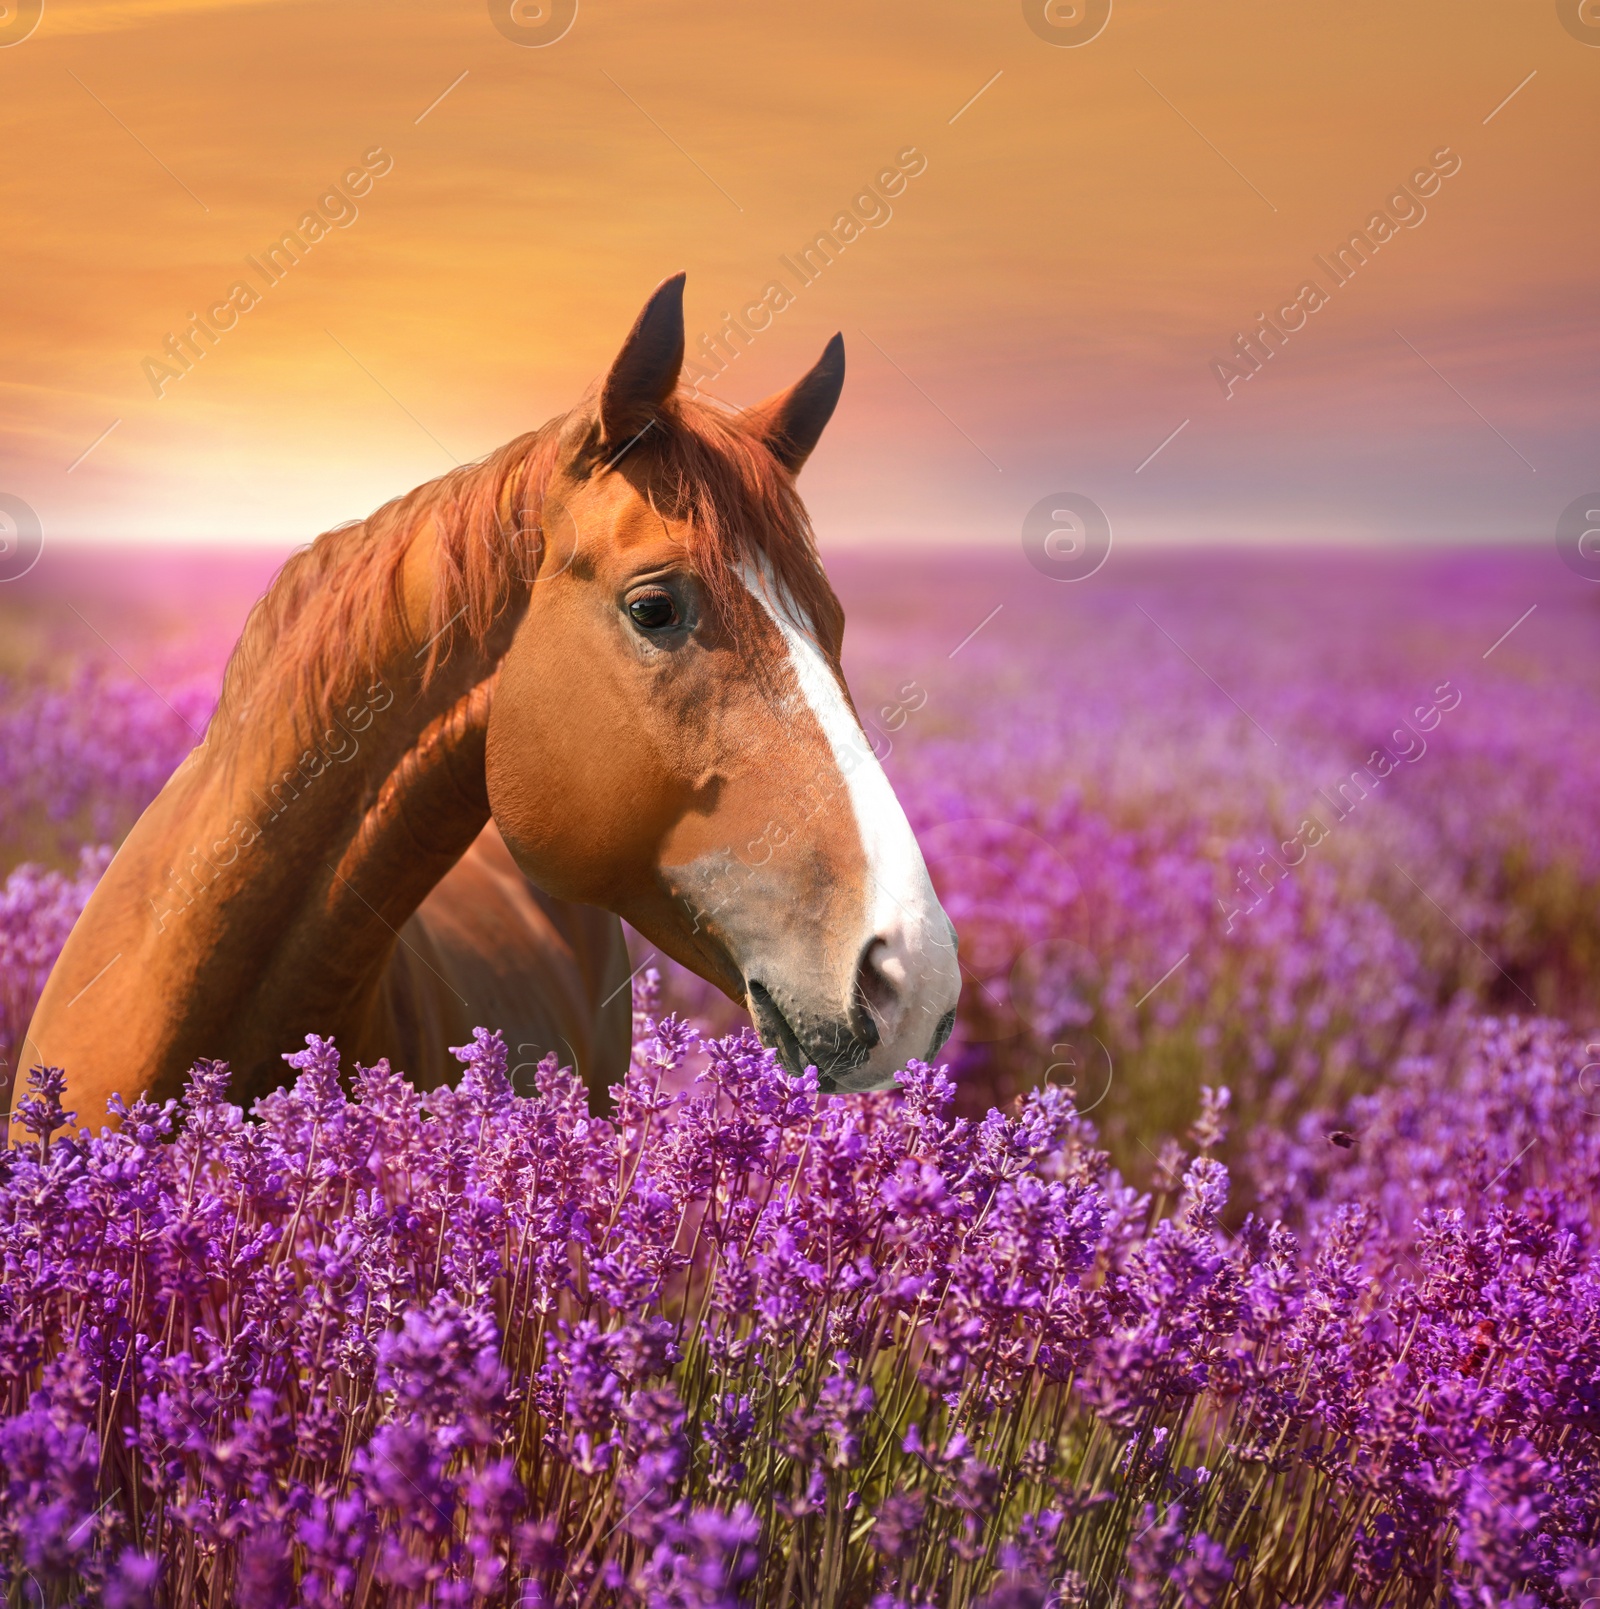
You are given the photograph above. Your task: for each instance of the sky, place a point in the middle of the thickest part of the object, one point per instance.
(1047, 235)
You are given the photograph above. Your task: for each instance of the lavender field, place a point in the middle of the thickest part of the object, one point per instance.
(1244, 1252)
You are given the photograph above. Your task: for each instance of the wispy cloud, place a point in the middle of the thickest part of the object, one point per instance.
(66, 17)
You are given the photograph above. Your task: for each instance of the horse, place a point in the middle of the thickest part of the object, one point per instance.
(592, 678)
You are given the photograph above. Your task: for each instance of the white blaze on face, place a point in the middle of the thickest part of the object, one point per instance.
(916, 957)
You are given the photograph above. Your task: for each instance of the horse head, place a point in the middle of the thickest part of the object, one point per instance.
(671, 735)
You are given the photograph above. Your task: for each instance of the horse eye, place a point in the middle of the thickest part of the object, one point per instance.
(653, 611)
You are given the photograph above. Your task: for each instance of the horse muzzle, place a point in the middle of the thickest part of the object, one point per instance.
(897, 1007)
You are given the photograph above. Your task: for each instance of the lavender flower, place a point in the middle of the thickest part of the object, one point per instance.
(1094, 1314)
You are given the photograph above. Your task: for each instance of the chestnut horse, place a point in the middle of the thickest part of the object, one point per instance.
(594, 676)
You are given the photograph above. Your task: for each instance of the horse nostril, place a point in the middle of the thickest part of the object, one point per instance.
(873, 997)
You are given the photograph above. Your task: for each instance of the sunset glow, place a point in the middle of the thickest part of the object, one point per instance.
(269, 264)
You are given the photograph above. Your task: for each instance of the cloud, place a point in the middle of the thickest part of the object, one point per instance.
(1089, 233)
(63, 18)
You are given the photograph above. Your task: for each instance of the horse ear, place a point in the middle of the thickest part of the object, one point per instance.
(792, 421)
(645, 371)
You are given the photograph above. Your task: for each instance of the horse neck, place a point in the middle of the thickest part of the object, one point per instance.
(322, 828)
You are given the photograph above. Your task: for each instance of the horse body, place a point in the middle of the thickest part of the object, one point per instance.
(486, 946)
(353, 886)
(595, 676)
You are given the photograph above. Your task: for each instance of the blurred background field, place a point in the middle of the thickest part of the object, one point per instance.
(1283, 1292)
(1103, 775)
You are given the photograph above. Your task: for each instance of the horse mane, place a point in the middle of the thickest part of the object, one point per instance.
(319, 631)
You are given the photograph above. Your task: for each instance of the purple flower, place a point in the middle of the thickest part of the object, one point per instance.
(897, 1524)
(1162, 1557)
(264, 1569)
(401, 1470)
(39, 1112)
(733, 1339)
(131, 1583)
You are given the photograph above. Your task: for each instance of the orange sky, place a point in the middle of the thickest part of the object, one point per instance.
(1042, 308)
